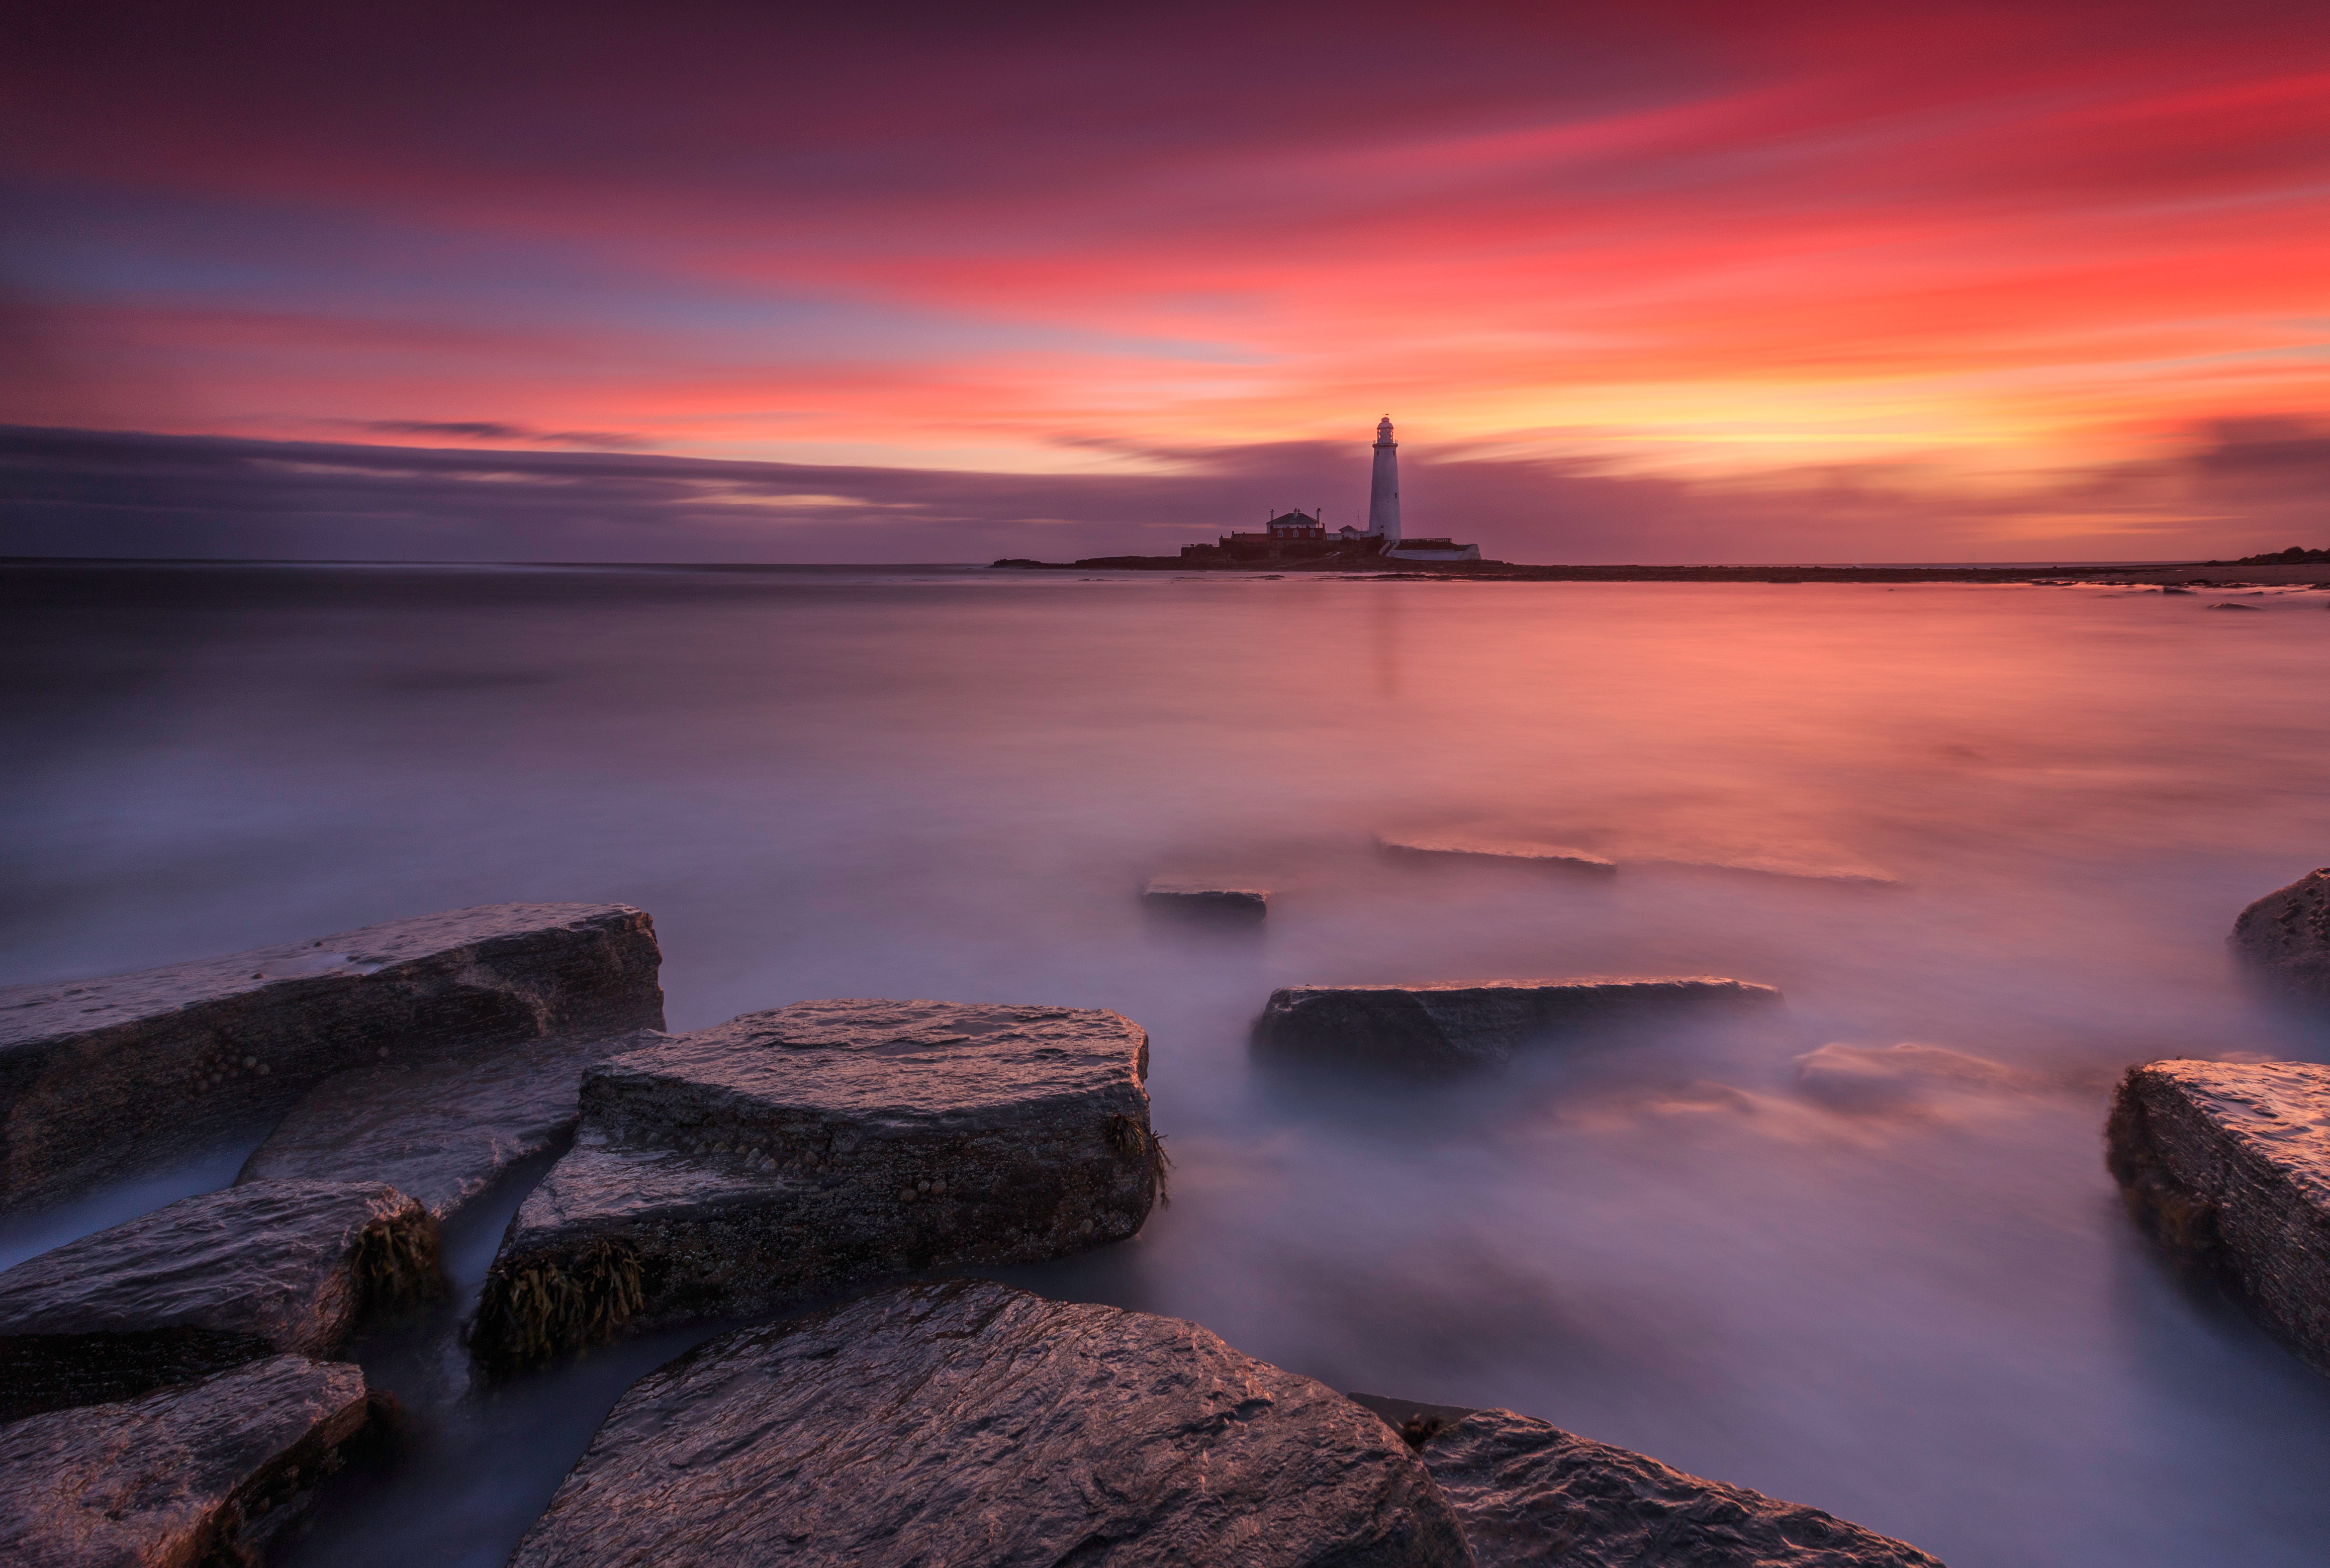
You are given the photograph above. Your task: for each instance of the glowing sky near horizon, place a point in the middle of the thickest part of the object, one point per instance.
(1987, 239)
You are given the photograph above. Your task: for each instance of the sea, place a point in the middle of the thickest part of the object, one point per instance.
(1860, 1252)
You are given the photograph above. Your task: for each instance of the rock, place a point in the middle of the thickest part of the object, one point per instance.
(1510, 852)
(2221, 606)
(1190, 898)
(2285, 937)
(207, 1473)
(2227, 1165)
(1527, 1493)
(207, 1283)
(824, 1145)
(443, 1131)
(968, 1422)
(1455, 1027)
(1862, 1077)
(101, 1078)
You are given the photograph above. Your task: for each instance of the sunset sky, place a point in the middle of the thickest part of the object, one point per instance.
(1925, 281)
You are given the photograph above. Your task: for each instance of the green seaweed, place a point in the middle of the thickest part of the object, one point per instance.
(536, 1308)
(1130, 1138)
(399, 1261)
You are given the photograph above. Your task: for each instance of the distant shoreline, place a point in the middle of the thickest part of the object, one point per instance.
(2196, 573)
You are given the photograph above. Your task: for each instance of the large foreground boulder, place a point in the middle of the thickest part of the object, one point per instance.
(1530, 1495)
(443, 1131)
(202, 1474)
(967, 1422)
(208, 1283)
(2285, 937)
(2227, 1165)
(798, 1150)
(99, 1078)
(1447, 1028)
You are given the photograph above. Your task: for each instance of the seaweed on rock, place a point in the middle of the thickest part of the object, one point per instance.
(536, 1308)
(399, 1261)
(1128, 1138)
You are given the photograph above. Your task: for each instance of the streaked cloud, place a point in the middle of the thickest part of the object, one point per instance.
(1968, 250)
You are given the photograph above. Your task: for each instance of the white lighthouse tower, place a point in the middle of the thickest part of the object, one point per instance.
(1383, 490)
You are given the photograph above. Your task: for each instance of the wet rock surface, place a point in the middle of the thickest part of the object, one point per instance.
(2285, 937)
(970, 1423)
(2227, 1166)
(1527, 1493)
(101, 1077)
(207, 1283)
(1454, 1028)
(442, 1131)
(205, 1473)
(1193, 898)
(803, 1150)
(1462, 848)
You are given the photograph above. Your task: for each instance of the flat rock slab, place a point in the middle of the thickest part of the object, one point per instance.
(2227, 1165)
(1461, 847)
(1444, 1028)
(441, 1131)
(2285, 937)
(1194, 898)
(207, 1283)
(206, 1473)
(1528, 1494)
(968, 1422)
(103, 1077)
(791, 1152)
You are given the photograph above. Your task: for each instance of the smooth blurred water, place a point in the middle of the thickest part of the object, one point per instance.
(1919, 1307)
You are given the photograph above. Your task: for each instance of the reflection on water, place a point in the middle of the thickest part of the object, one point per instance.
(1790, 1253)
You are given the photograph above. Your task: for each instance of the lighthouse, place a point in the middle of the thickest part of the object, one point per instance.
(1383, 490)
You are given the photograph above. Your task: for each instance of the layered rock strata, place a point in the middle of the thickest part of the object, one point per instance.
(443, 1131)
(1190, 898)
(1452, 1028)
(208, 1283)
(968, 1422)
(203, 1474)
(2285, 937)
(798, 1151)
(2227, 1165)
(139, 1072)
(1528, 1494)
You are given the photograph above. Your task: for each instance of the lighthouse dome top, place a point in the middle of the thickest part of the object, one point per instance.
(1383, 429)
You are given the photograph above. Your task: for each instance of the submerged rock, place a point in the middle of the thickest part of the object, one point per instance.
(442, 1131)
(2227, 1165)
(137, 1071)
(1192, 898)
(1509, 852)
(1864, 1077)
(1452, 1027)
(203, 1474)
(1527, 1493)
(207, 1283)
(970, 1423)
(2285, 936)
(797, 1151)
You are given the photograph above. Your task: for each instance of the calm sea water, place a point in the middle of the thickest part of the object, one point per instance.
(1908, 1297)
